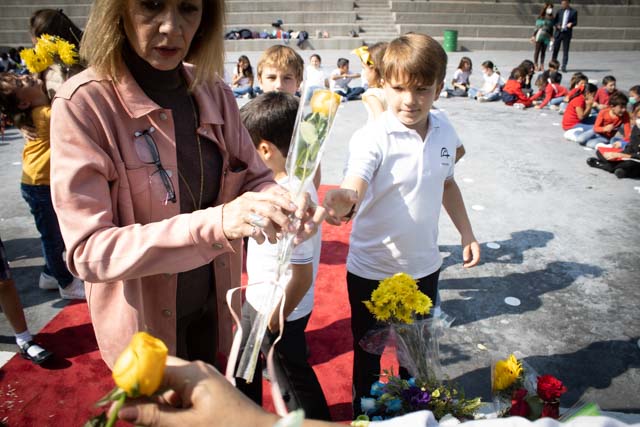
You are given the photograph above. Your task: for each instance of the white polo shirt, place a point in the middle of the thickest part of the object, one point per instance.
(262, 262)
(396, 227)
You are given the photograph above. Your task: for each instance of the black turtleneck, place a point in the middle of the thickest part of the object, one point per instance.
(169, 90)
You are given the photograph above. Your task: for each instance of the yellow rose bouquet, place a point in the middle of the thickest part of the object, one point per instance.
(49, 50)
(315, 118)
(138, 371)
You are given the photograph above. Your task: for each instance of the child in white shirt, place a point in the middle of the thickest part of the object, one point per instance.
(399, 173)
(270, 119)
(460, 82)
(491, 88)
(314, 76)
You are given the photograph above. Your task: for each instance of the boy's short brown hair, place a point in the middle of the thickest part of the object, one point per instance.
(415, 57)
(618, 99)
(282, 58)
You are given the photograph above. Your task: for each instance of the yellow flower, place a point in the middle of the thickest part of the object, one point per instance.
(506, 372)
(363, 53)
(398, 299)
(140, 367)
(46, 46)
(325, 102)
(66, 51)
(35, 63)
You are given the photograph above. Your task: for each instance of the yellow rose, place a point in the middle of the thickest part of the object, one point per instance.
(324, 101)
(140, 367)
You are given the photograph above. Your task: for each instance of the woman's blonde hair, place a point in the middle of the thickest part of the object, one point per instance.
(104, 37)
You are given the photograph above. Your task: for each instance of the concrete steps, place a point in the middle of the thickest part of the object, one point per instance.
(481, 24)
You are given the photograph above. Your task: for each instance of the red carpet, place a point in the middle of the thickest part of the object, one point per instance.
(62, 394)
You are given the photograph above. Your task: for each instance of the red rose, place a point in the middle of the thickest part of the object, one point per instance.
(550, 388)
(519, 406)
(551, 410)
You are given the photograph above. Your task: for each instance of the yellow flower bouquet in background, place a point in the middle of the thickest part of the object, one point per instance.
(49, 50)
(138, 371)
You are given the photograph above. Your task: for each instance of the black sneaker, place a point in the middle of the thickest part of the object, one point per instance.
(620, 173)
(593, 162)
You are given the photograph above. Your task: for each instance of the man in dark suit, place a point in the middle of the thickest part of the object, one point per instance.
(564, 21)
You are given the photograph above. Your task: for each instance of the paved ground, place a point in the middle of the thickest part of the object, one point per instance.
(568, 236)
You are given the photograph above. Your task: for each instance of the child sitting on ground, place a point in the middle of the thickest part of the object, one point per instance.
(280, 69)
(373, 98)
(315, 77)
(340, 79)
(601, 100)
(576, 87)
(608, 122)
(529, 69)
(491, 88)
(460, 82)
(512, 91)
(242, 80)
(624, 163)
(551, 89)
(270, 119)
(399, 173)
(23, 98)
(634, 97)
(576, 119)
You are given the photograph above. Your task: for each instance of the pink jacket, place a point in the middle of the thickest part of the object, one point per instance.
(121, 239)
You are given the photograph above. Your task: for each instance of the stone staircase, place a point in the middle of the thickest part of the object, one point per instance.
(481, 24)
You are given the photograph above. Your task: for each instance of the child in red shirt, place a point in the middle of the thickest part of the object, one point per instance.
(608, 122)
(512, 91)
(601, 101)
(578, 110)
(552, 90)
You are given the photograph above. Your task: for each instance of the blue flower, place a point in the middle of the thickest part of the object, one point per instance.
(377, 389)
(412, 382)
(393, 405)
(377, 418)
(368, 404)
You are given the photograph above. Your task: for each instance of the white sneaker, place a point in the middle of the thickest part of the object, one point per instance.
(75, 290)
(47, 282)
(519, 106)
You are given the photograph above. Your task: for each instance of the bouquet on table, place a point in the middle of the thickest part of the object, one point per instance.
(313, 125)
(519, 391)
(398, 302)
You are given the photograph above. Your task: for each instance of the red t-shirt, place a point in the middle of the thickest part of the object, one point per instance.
(570, 117)
(602, 96)
(514, 87)
(605, 118)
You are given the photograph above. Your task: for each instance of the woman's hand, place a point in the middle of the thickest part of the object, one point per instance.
(267, 214)
(198, 396)
(340, 205)
(29, 133)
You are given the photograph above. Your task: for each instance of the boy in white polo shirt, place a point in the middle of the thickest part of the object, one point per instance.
(399, 173)
(270, 119)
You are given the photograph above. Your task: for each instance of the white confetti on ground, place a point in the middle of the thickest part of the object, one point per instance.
(493, 245)
(482, 347)
(543, 114)
(469, 180)
(477, 207)
(555, 124)
(512, 301)
(461, 160)
(637, 189)
(16, 163)
(587, 149)
(504, 321)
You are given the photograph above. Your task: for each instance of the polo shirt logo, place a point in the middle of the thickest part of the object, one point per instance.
(444, 152)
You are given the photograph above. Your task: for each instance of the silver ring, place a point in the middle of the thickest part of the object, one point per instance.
(256, 220)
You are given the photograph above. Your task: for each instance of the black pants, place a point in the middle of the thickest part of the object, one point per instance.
(297, 379)
(197, 335)
(631, 168)
(366, 366)
(540, 51)
(563, 38)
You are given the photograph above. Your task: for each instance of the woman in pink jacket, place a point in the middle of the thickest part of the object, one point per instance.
(155, 180)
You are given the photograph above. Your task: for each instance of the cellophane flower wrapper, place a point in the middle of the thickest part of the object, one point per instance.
(416, 344)
(314, 122)
(527, 380)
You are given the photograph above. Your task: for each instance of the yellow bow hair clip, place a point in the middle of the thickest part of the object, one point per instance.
(363, 53)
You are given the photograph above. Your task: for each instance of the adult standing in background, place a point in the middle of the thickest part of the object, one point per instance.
(156, 181)
(564, 21)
